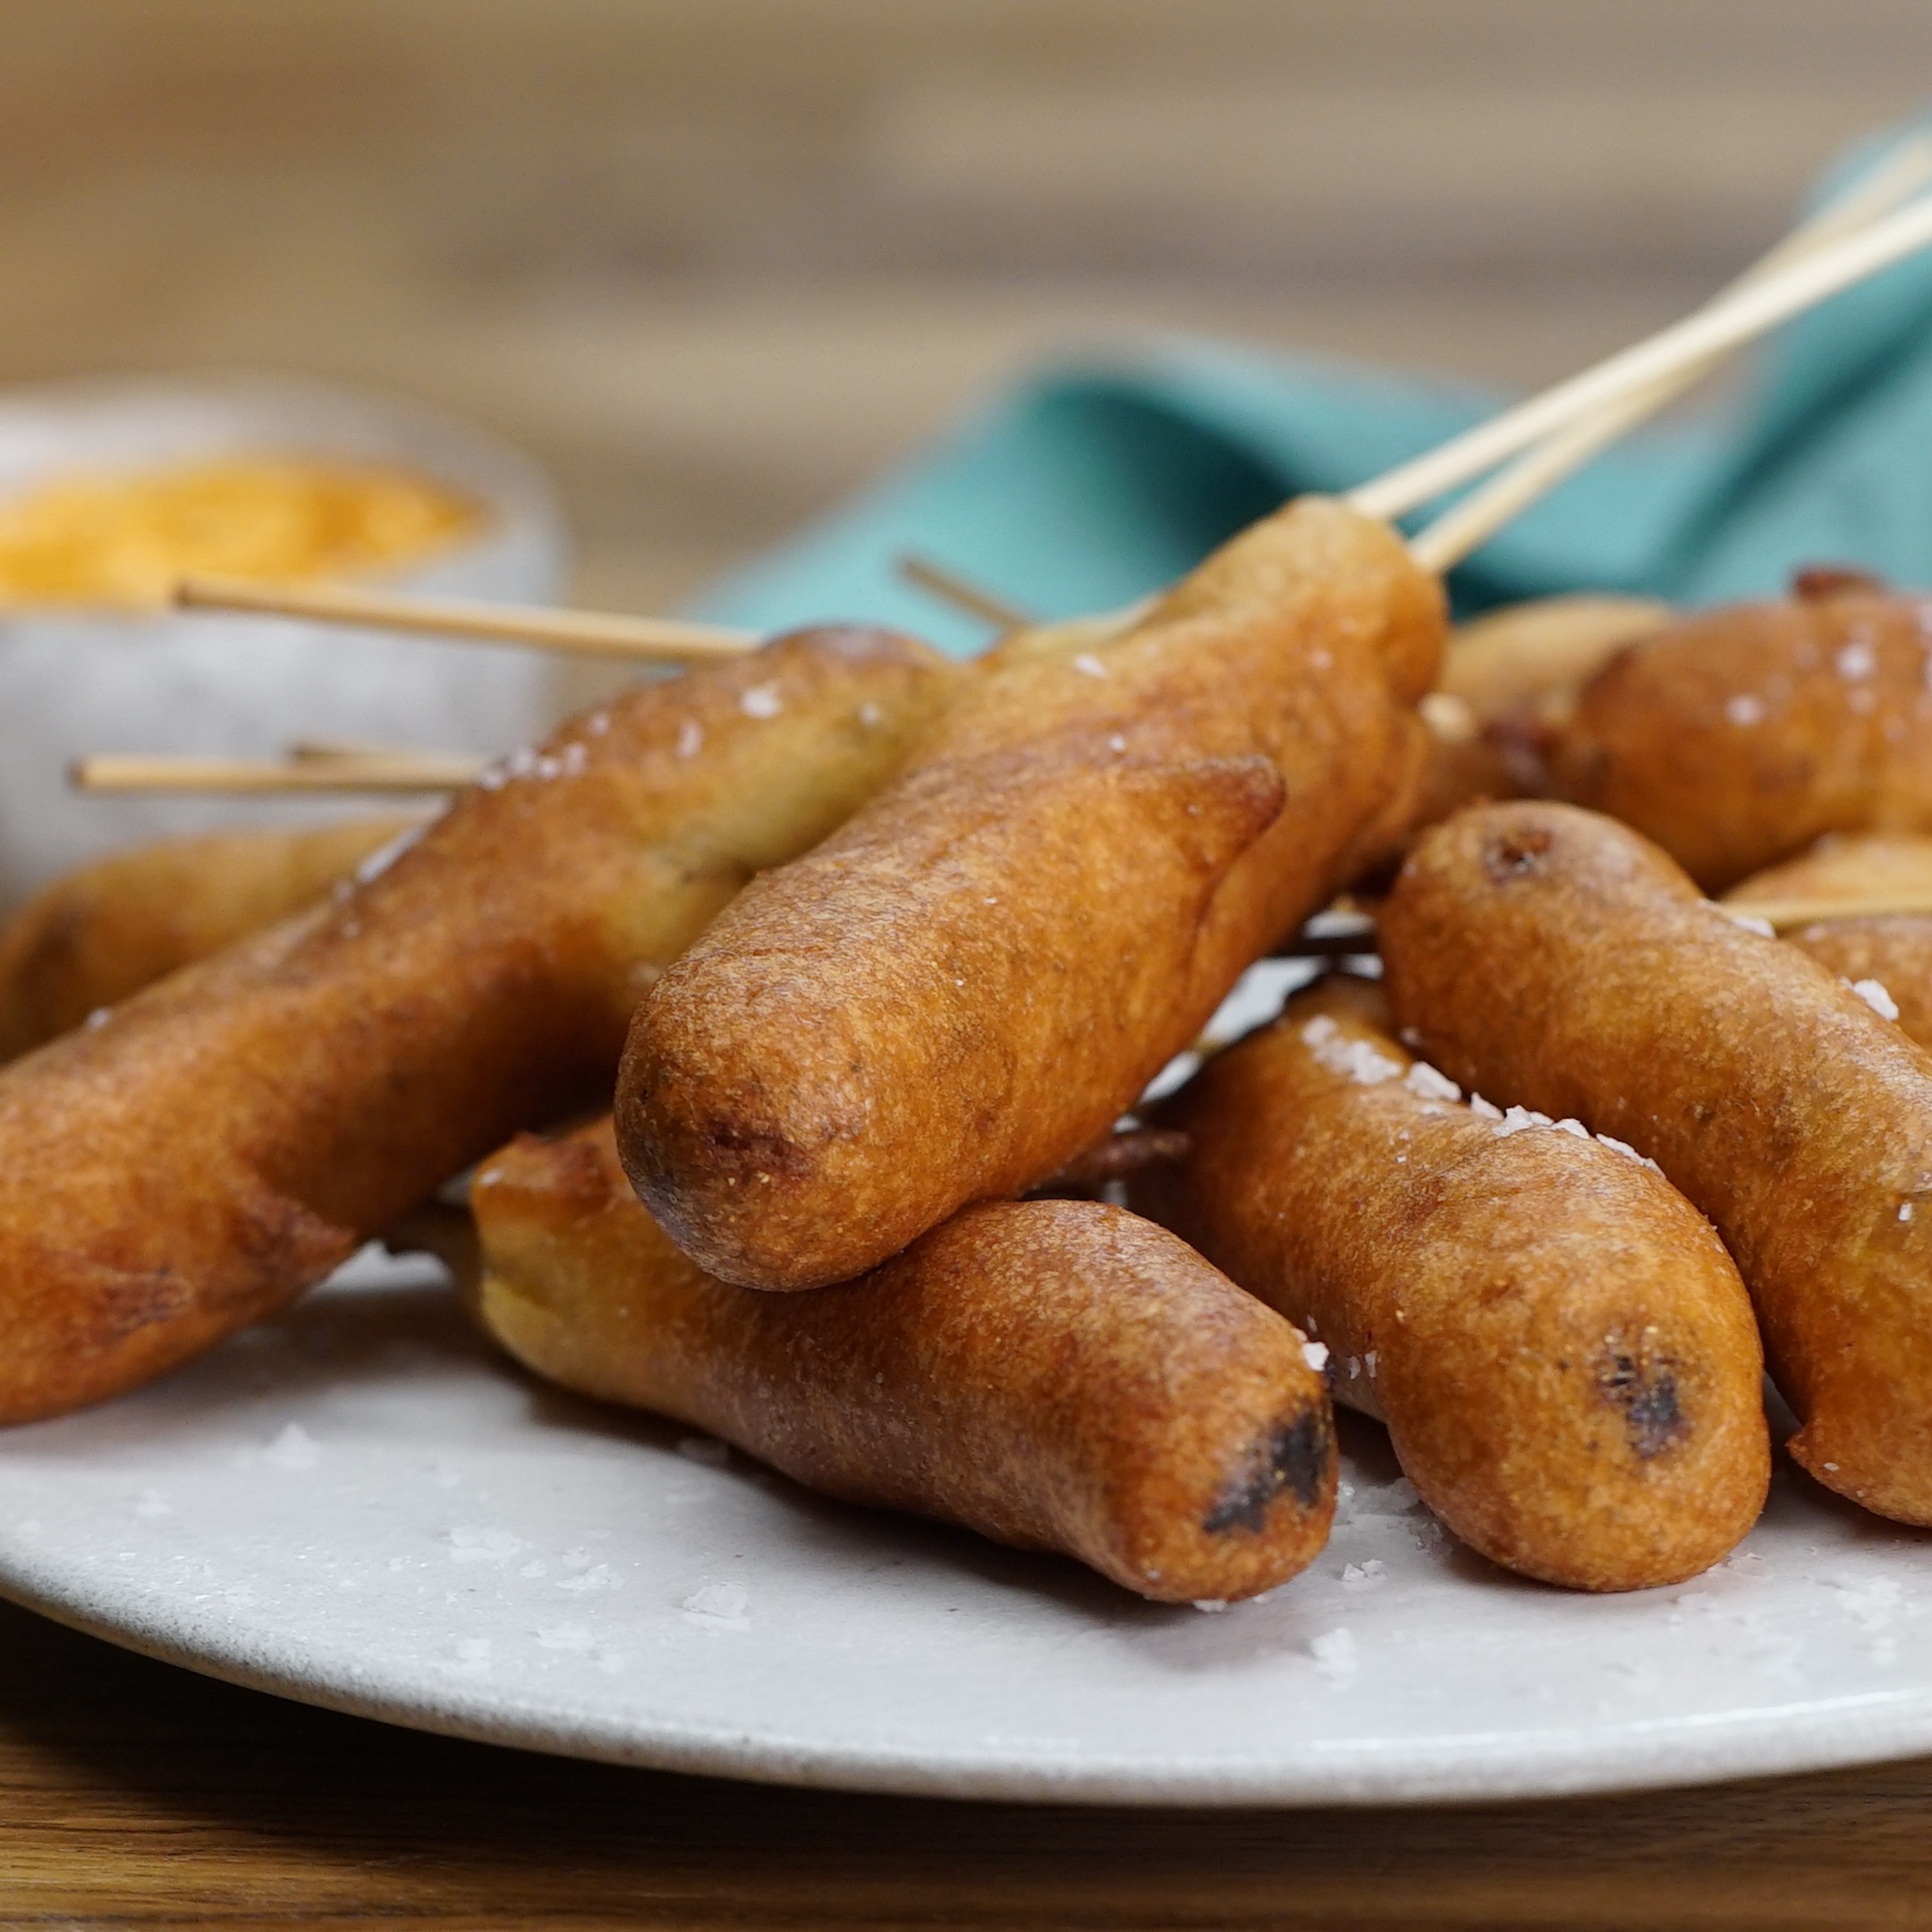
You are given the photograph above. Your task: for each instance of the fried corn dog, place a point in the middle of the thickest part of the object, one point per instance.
(1557, 960)
(1056, 1375)
(1887, 956)
(88, 940)
(1736, 738)
(1559, 1345)
(230, 1135)
(964, 987)
(1887, 961)
(1510, 678)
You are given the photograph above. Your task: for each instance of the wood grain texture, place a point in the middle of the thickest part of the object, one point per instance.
(715, 261)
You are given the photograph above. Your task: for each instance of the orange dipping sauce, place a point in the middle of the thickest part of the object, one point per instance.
(123, 540)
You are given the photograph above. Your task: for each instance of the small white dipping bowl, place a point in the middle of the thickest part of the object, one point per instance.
(73, 681)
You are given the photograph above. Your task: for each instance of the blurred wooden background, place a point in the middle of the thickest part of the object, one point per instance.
(715, 260)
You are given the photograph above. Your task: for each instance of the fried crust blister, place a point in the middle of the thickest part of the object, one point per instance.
(1554, 959)
(1735, 738)
(1562, 1349)
(229, 1136)
(1056, 1375)
(964, 988)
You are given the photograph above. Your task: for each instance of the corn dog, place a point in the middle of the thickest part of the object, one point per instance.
(1559, 1345)
(1056, 1375)
(965, 986)
(1557, 960)
(1735, 738)
(1888, 956)
(230, 1135)
(88, 940)
(1510, 678)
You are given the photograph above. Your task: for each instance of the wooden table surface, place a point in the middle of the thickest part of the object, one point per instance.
(715, 261)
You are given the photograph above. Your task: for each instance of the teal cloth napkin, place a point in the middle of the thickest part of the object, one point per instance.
(1105, 477)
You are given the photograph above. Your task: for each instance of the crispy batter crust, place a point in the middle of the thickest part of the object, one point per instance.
(964, 987)
(1736, 738)
(1554, 959)
(106, 930)
(1510, 679)
(1056, 1375)
(227, 1137)
(1560, 1346)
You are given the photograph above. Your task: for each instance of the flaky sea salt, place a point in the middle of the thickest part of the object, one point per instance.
(1858, 660)
(719, 1603)
(1315, 1355)
(1744, 709)
(1628, 1152)
(1873, 993)
(1520, 1120)
(1336, 1654)
(1487, 1109)
(1090, 665)
(761, 701)
(690, 738)
(1429, 1084)
(1353, 1059)
(1751, 923)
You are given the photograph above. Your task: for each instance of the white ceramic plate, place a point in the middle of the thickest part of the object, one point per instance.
(360, 1506)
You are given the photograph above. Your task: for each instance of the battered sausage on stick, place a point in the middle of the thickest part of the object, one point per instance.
(229, 1136)
(1559, 1345)
(1056, 1375)
(1557, 960)
(1886, 954)
(1736, 738)
(964, 987)
(1887, 960)
(1508, 679)
(92, 937)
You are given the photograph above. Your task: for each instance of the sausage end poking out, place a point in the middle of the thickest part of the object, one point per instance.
(1057, 1374)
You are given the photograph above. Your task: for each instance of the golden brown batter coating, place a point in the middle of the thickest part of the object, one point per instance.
(106, 930)
(229, 1136)
(966, 985)
(1893, 950)
(1554, 959)
(1735, 738)
(1560, 1346)
(1890, 959)
(1055, 1375)
(1510, 678)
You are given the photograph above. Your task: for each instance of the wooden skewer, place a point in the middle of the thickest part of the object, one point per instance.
(1618, 383)
(581, 633)
(1726, 323)
(393, 771)
(1334, 935)
(957, 591)
(1472, 522)
(1786, 915)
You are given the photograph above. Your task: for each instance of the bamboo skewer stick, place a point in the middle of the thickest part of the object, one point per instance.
(1333, 935)
(1470, 523)
(1725, 324)
(1617, 383)
(581, 633)
(375, 771)
(959, 592)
